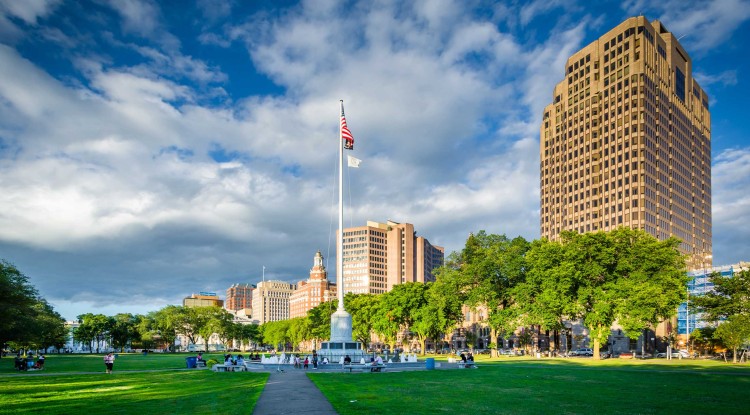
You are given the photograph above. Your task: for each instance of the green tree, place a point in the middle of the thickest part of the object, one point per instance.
(703, 339)
(18, 300)
(248, 334)
(624, 275)
(734, 333)
(93, 329)
(164, 325)
(729, 297)
(48, 327)
(487, 272)
(651, 279)
(320, 320)
(210, 320)
(299, 331)
(384, 324)
(440, 312)
(123, 330)
(362, 308)
(276, 333)
(548, 294)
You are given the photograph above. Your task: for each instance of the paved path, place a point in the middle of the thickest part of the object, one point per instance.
(291, 392)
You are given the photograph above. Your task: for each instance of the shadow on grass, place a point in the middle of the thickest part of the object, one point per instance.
(137, 393)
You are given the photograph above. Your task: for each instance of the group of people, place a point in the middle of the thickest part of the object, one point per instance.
(300, 363)
(229, 360)
(26, 363)
(467, 358)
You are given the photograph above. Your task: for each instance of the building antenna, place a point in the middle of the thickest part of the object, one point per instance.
(264, 273)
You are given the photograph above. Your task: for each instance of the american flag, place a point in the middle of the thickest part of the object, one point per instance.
(345, 133)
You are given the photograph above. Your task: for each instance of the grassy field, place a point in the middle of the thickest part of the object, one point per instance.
(67, 363)
(153, 384)
(139, 385)
(574, 386)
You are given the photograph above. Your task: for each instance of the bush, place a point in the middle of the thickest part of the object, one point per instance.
(211, 362)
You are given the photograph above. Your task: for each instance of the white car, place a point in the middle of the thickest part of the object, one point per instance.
(584, 351)
(676, 354)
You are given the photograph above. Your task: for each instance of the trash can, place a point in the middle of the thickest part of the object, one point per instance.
(192, 362)
(430, 363)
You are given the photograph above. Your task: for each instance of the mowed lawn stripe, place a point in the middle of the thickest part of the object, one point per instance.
(167, 392)
(526, 388)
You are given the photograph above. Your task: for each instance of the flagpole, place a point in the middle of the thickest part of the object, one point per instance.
(340, 241)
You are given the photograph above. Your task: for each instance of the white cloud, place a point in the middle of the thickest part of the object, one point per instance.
(731, 205)
(726, 78)
(700, 25)
(112, 176)
(28, 10)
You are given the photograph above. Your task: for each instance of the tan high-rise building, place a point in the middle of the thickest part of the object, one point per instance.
(239, 297)
(626, 141)
(380, 255)
(310, 293)
(271, 301)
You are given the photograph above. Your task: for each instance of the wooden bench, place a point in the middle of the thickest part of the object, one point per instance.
(364, 368)
(228, 368)
(466, 365)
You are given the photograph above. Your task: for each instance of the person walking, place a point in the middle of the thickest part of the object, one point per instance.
(109, 362)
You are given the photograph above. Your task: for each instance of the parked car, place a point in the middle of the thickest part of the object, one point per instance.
(507, 352)
(676, 354)
(583, 351)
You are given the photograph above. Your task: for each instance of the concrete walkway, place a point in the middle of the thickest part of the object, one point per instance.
(291, 392)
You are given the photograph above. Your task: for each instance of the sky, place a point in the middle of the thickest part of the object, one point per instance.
(151, 150)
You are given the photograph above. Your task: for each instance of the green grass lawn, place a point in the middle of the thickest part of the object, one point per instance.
(153, 384)
(523, 386)
(65, 363)
(59, 389)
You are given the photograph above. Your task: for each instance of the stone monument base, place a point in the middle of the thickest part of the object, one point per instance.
(336, 350)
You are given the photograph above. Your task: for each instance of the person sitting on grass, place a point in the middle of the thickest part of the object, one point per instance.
(39, 362)
(20, 362)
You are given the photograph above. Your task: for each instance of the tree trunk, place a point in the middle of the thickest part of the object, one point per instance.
(597, 344)
(493, 339)
(734, 355)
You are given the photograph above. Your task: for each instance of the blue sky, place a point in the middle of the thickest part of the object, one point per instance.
(149, 150)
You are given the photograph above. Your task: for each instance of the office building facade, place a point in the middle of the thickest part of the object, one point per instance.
(203, 299)
(271, 301)
(380, 255)
(239, 297)
(627, 142)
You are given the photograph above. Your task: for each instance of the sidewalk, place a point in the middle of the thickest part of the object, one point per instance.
(291, 392)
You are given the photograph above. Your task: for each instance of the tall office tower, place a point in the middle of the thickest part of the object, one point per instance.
(271, 301)
(627, 142)
(239, 297)
(380, 255)
(309, 294)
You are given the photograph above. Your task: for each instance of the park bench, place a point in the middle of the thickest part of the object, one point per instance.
(228, 368)
(364, 368)
(466, 365)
